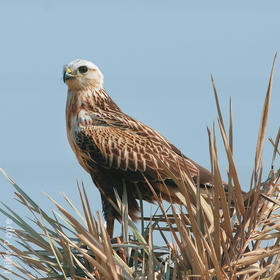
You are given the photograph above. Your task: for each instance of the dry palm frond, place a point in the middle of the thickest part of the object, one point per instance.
(219, 235)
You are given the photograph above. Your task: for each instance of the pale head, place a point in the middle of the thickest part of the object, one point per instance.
(80, 73)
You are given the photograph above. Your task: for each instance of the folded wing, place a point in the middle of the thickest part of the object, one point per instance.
(119, 142)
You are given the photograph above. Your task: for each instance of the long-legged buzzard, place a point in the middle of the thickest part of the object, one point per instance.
(116, 149)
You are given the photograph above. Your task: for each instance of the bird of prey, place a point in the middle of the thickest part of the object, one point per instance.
(116, 149)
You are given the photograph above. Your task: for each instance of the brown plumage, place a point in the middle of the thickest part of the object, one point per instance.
(115, 148)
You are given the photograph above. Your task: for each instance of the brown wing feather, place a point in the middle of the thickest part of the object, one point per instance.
(117, 141)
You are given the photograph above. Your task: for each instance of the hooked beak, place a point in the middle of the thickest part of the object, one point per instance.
(67, 74)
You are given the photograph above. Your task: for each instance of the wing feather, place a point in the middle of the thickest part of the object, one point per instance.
(122, 143)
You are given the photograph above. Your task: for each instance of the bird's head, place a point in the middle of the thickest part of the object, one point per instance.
(81, 74)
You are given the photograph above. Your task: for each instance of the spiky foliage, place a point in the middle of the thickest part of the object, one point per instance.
(222, 236)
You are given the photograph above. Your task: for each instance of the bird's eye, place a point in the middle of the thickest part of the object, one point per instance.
(83, 69)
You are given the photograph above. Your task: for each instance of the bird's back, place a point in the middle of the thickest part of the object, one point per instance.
(100, 134)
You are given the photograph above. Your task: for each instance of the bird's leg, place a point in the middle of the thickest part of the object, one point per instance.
(108, 212)
(110, 225)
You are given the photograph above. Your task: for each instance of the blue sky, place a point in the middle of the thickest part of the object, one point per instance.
(156, 58)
